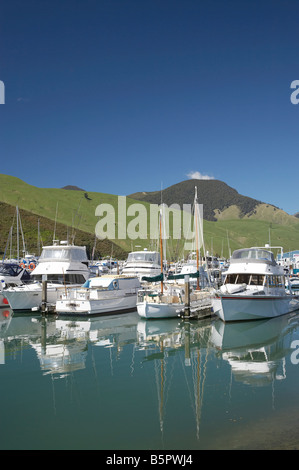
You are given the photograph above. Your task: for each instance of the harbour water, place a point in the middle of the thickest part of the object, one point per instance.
(122, 383)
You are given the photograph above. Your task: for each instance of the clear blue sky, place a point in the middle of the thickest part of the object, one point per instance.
(120, 96)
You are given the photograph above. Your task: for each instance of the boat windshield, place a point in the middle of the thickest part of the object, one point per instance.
(58, 254)
(10, 269)
(253, 253)
(144, 256)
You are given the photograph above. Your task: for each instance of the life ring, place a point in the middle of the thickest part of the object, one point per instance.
(31, 266)
(22, 265)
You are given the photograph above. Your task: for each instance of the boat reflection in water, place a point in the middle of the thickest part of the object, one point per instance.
(164, 338)
(113, 365)
(256, 350)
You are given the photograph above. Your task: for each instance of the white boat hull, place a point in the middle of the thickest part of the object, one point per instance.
(159, 310)
(253, 307)
(96, 307)
(28, 297)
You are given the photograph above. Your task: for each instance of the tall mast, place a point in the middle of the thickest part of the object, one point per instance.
(196, 236)
(161, 250)
(18, 250)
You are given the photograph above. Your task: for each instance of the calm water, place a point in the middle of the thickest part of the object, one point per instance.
(119, 382)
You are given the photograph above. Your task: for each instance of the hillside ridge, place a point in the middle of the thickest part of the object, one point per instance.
(215, 195)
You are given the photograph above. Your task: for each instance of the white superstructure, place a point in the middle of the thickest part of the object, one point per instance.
(142, 263)
(59, 264)
(254, 287)
(100, 295)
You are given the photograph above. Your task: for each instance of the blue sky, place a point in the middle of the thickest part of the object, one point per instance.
(120, 96)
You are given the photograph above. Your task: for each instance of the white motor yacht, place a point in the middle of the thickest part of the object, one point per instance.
(253, 288)
(59, 264)
(100, 295)
(142, 263)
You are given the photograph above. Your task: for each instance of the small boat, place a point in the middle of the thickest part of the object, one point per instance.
(59, 264)
(100, 295)
(253, 288)
(171, 302)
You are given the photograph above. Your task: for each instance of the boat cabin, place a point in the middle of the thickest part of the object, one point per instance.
(252, 255)
(110, 282)
(64, 253)
(10, 272)
(144, 256)
(254, 269)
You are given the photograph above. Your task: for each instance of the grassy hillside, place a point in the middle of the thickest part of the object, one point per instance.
(30, 224)
(76, 209)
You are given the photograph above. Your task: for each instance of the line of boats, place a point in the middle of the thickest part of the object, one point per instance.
(253, 286)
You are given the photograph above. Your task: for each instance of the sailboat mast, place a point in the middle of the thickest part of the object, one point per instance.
(18, 254)
(196, 236)
(161, 251)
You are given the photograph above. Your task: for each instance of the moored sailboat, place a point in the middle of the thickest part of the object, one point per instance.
(173, 299)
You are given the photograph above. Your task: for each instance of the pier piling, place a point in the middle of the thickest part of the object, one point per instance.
(187, 297)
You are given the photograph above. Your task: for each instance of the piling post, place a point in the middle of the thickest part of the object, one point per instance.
(187, 297)
(44, 293)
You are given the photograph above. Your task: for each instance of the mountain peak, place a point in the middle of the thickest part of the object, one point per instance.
(215, 195)
(73, 188)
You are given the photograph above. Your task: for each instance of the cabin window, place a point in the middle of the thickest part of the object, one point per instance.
(60, 279)
(275, 281)
(256, 280)
(237, 279)
(144, 256)
(75, 254)
(250, 279)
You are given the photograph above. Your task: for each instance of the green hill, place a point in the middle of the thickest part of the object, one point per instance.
(213, 194)
(33, 224)
(219, 200)
(75, 210)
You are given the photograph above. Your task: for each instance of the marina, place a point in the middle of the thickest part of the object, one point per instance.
(149, 235)
(122, 382)
(143, 354)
